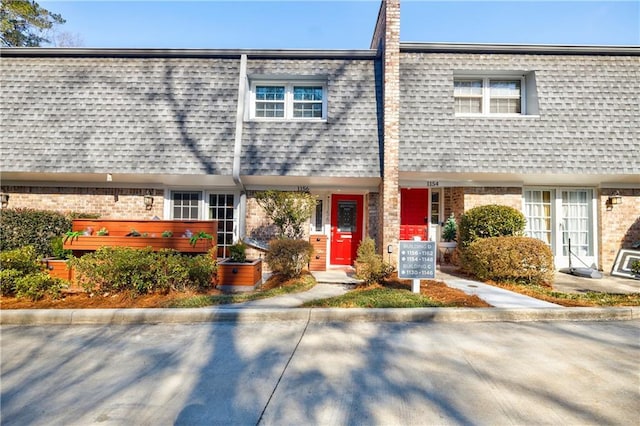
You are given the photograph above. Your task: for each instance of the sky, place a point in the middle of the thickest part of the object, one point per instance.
(339, 24)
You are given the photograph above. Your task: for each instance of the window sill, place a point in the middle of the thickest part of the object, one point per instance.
(288, 120)
(500, 116)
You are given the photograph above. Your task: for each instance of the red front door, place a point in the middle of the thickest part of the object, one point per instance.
(346, 228)
(414, 213)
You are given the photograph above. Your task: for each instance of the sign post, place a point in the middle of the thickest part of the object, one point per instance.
(416, 261)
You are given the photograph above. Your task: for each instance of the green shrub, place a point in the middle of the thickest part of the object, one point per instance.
(23, 259)
(8, 278)
(57, 249)
(635, 267)
(237, 252)
(36, 286)
(516, 259)
(490, 221)
(124, 269)
(289, 211)
(23, 275)
(371, 267)
(288, 257)
(202, 269)
(22, 227)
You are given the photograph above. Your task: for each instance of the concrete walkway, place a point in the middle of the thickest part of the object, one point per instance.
(336, 282)
(495, 296)
(319, 291)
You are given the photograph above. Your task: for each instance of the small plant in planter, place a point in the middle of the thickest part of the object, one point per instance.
(199, 236)
(73, 235)
(450, 230)
(167, 234)
(448, 243)
(133, 233)
(238, 252)
(102, 232)
(237, 273)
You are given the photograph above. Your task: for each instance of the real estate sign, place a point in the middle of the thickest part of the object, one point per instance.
(417, 260)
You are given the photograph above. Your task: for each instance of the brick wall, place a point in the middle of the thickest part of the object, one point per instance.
(453, 202)
(620, 226)
(372, 200)
(482, 196)
(109, 203)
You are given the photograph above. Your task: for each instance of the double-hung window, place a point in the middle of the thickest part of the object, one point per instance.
(486, 96)
(289, 101)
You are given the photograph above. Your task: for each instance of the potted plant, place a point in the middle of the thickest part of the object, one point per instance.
(449, 235)
(237, 273)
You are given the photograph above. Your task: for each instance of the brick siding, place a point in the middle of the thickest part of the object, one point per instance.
(109, 203)
(620, 226)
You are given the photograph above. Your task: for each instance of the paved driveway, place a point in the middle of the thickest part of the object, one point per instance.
(293, 373)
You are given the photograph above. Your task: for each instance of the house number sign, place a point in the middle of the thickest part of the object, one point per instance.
(417, 260)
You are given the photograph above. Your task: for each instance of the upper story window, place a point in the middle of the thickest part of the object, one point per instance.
(503, 96)
(289, 101)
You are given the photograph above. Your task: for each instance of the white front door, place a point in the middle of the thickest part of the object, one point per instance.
(563, 217)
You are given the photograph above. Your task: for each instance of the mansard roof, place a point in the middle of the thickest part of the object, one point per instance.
(159, 111)
(587, 120)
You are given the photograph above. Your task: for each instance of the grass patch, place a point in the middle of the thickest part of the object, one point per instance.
(376, 296)
(591, 298)
(273, 287)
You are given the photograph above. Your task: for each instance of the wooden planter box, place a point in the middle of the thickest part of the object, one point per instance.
(59, 268)
(239, 276)
(152, 230)
(182, 244)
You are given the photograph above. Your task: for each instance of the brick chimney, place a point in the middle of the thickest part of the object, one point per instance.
(386, 39)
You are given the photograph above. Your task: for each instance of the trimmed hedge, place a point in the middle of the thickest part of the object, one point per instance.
(517, 259)
(23, 275)
(23, 227)
(490, 221)
(124, 269)
(288, 257)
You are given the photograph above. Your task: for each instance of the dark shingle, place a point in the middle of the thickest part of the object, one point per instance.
(121, 115)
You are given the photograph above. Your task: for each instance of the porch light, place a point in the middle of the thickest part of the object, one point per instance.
(4, 199)
(148, 200)
(613, 200)
(616, 198)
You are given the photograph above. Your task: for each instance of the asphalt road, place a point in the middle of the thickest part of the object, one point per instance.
(294, 373)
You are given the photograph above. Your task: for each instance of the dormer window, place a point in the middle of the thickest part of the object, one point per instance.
(288, 101)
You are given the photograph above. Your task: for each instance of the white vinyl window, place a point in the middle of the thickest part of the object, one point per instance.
(185, 205)
(484, 96)
(289, 101)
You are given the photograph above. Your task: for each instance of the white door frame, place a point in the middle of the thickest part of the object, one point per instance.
(557, 219)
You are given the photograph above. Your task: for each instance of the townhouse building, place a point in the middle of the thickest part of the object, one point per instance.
(391, 139)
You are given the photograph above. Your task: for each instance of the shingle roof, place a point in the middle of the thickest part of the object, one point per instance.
(346, 145)
(120, 115)
(589, 116)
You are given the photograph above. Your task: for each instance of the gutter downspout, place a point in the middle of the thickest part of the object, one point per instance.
(237, 148)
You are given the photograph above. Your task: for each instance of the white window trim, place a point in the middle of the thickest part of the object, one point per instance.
(486, 98)
(288, 99)
(203, 204)
(556, 217)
